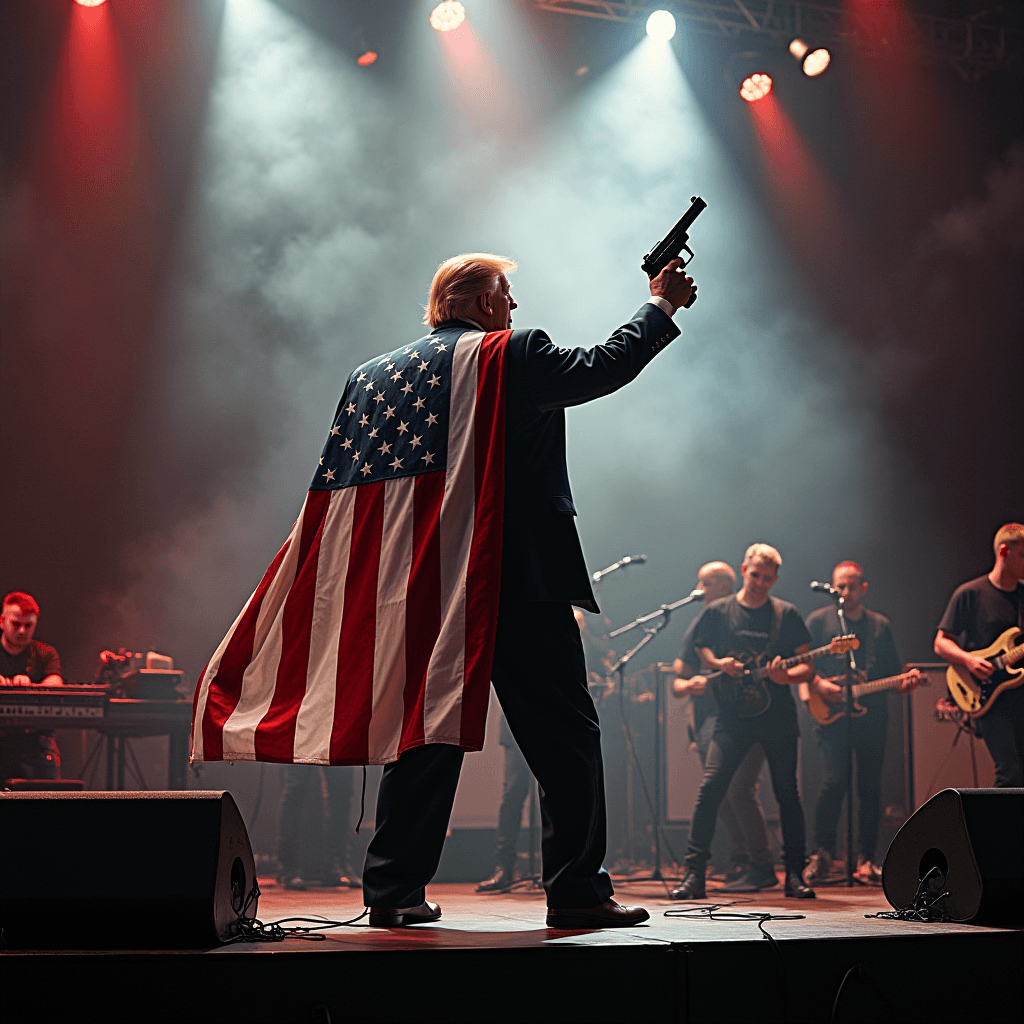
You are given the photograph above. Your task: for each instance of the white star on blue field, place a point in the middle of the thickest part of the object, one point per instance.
(392, 419)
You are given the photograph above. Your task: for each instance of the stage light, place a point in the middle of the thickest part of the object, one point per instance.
(447, 16)
(661, 26)
(580, 72)
(366, 58)
(755, 87)
(90, 3)
(813, 62)
(816, 62)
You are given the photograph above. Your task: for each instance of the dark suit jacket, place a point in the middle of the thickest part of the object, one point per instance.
(542, 559)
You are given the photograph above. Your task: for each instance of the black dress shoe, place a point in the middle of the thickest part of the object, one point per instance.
(500, 881)
(795, 887)
(384, 917)
(691, 887)
(757, 877)
(605, 915)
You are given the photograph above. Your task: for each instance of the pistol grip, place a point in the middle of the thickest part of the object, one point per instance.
(692, 299)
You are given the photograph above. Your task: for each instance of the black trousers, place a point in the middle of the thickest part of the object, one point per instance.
(27, 754)
(869, 735)
(540, 678)
(518, 779)
(777, 733)
(1003, 733)
(301, 780)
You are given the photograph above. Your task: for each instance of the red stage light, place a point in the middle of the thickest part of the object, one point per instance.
(756, 87)
(366, 58)
(447, 16)
(816, 61)
(90, 3)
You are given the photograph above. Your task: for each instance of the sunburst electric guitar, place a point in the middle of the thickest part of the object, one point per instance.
(826, 710)
(748, 695)
(976, 696)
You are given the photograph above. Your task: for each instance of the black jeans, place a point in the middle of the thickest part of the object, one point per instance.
(540, 678)
(518, 780)
(301, 780)
(777, 733)
(869, 734)
(27, 754)
(1004, 736)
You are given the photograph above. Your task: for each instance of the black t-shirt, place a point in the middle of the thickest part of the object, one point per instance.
(876, 654)
(978, 613)
(37, 661)
(729, 628)
(704, 704)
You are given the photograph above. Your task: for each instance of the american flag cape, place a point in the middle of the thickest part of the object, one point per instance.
(372, 631)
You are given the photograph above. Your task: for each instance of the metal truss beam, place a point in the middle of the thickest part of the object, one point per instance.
(973, 45)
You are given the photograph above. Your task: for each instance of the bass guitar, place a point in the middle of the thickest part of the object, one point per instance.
(976, 696)
(827, 710)
(748, 695)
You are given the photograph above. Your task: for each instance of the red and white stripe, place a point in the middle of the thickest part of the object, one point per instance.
(373, 630)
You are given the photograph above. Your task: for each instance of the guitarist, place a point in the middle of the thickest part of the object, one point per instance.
(978, 613)
(876, 658)
(740, 812)
(751, 625)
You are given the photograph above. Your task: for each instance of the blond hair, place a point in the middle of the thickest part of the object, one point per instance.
(459, 281)
(763, 552)
(1011, 533)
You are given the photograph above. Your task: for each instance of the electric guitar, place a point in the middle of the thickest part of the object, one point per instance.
(827, 710)
(748, 695)
(976, 696)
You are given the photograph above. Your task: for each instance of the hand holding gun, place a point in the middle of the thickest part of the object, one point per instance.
(673, 243)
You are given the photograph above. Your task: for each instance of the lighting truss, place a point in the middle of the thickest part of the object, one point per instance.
(972, 45)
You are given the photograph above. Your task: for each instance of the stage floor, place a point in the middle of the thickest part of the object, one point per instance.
(516, 920)
(492, 958)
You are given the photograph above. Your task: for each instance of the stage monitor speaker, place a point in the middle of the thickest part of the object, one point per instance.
(975, 837)
(159, 870)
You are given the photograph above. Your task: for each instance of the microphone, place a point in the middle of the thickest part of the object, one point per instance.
(824, 588)
(621, 563)
(696, 595)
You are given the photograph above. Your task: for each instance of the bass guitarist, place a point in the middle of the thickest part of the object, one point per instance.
(978, 613)
(731, 632)
(876, 659)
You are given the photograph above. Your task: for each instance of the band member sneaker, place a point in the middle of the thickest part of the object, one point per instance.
(818, 868)
(867, 871)
(756, 878)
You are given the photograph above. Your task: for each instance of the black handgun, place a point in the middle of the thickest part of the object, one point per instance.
(673, 243)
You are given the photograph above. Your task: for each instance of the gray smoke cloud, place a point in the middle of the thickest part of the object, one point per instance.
(324, 204)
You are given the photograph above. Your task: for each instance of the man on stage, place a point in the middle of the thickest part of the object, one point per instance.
(730, 633)
(978, 613)
(876, 659)
(740, 811)
(539, 672)
(26, 753)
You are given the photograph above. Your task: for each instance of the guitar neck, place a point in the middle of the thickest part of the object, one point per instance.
(888, 683)
(797, 659)
(1012, 656)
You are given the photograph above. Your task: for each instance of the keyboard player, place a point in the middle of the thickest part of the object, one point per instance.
(26, 753)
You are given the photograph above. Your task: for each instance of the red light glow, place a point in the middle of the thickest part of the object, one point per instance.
(90, 3)
(366, 58)
(756, 87)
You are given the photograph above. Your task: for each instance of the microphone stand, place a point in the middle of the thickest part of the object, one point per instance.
(663, 614)
(851, 671)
